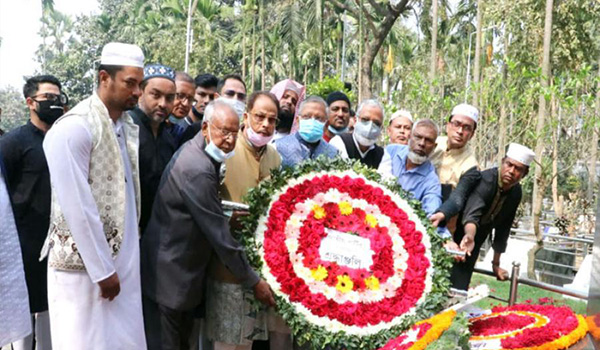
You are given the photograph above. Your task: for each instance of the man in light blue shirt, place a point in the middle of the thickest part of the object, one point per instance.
(410, 165)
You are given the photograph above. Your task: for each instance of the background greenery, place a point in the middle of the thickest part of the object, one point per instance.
(412, 54)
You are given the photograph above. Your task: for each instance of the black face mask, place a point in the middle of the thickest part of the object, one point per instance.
(198, 115)
(50, 111)
(286, 119)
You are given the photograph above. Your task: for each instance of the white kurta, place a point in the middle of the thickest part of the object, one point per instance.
(15, 319)
(79, 317)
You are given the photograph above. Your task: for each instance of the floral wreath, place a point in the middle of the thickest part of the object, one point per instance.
(527, 326)
(422, 333)
(352, 262)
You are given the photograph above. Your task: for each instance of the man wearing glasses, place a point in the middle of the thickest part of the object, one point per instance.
(232, 86)
(158, 142)
(186, 228)
(28, 183)
(454, 157)
(185, 88)
(229, 324)
(308, 142)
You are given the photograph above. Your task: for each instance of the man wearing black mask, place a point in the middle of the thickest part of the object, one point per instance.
(28, 183)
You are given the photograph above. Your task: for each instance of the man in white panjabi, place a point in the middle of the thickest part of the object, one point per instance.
(94, 292)
(15, 317)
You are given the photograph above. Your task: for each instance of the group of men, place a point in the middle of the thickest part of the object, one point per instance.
(122, 196)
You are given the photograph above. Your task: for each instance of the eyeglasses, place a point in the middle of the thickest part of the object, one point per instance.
(53, 97)
(458, 125)
(225, 133)
(231, 94)
(185, 98)
(259, 118)
(316, 117)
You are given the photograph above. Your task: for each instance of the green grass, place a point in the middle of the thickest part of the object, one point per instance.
(501, 290)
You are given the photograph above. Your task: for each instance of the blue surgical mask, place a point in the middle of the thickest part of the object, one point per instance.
(311, 130)
(215, 152)
(366, 133)
(336, 131)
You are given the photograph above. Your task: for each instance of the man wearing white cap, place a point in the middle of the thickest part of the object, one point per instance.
(492, 205)
(453, 155)
(94, 292)
(399, 127)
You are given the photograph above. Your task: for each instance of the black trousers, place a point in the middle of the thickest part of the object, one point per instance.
(461, 273)
(168, 329)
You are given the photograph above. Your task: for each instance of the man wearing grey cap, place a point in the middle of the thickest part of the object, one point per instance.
(157, 141)
(94, 292)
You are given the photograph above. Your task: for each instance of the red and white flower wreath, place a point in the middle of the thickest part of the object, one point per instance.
(305, 243)
(527, 326)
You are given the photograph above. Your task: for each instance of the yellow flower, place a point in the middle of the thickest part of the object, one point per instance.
(344, 284)
(345, 208)
(372, 283)
(371, 220)
(319, 274)
(319, 212)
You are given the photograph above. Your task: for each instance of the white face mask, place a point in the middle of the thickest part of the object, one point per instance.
(215, 152)
(366, 133)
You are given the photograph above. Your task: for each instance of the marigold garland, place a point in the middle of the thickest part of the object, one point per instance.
(527, 326)
(593, 322)
(427, 332)
(337, 299)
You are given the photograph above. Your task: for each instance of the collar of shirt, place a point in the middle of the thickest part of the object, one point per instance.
(362, 155)
(34, 129)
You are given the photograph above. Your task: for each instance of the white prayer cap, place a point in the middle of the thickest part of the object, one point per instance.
(520, 153)
(402, 113)
(120, 54)
(467, 110)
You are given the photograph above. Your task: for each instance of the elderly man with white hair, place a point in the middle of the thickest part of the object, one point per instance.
(399, 127)
(410, 165)
(186, 228)
(361, 143)
(308, 142)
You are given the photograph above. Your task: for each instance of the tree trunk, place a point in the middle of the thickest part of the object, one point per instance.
(477, 60)
(361, 83)
(434, 32)
(539, 184)
(503, 105)
(263, 61)
(337, 58)
(320, 21)
(556, 199)
(373, 45)
(243, 51)
(253, 55)
(594, 145)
